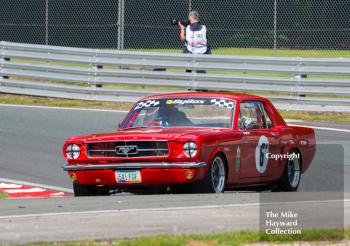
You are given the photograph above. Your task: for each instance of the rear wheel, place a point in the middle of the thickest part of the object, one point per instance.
(89, 190)
(291, 176)
(214, 181)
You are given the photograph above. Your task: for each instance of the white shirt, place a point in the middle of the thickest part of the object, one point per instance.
(196, 41)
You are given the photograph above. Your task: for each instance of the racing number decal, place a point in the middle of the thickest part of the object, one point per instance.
(261, 150)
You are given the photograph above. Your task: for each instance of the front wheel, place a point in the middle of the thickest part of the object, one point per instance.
(214, 181)
(291, 176)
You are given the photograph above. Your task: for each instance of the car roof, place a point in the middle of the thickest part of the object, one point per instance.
(190, 94)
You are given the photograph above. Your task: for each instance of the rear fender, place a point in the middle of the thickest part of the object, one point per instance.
(305, 143)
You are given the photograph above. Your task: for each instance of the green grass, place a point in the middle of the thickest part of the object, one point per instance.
(267, 52)
(54, 102)
(227, 239)
(3, 195)
(316, 116)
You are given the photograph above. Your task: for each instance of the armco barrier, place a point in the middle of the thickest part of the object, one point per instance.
(306, 84)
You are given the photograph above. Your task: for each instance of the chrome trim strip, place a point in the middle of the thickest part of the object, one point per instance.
(118, 140)
(79, 167)
(102, 150)
(113, 150)
(163, 155)
(130, 157)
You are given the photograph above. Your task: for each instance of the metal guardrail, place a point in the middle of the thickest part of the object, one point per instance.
(92, 74)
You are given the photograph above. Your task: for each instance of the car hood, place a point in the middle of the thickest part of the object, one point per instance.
(170, 134)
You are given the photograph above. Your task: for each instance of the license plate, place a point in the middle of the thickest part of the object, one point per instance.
(128, 176)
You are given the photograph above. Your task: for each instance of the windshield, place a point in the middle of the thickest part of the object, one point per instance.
(182, 112)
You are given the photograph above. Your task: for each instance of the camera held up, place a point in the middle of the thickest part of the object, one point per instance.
(176, 22)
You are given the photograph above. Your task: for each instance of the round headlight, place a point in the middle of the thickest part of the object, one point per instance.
(73, 151)
(190, 149)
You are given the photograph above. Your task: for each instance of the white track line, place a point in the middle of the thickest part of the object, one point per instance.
(291, 120)
(164, 209)
(29, 190)
(10, 186)
(59, 194)
(63, 108)
(49, 187)
(324, 128)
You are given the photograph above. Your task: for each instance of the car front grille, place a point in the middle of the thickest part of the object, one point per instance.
(128, 149)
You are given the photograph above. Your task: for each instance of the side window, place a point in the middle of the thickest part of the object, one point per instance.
(248, 118)
(269, 122)
(253, 115)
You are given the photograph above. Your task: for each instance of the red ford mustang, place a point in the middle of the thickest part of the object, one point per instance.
(199, 141)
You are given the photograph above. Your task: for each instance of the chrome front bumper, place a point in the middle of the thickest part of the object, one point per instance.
(79, 167)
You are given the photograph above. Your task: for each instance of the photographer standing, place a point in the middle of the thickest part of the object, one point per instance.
(194, 35)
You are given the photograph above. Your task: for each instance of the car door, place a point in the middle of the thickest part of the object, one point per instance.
(259, 141)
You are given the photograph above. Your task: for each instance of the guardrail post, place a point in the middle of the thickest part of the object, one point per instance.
(299, 78)
(3, 60)
(1, 67)
(96, 67)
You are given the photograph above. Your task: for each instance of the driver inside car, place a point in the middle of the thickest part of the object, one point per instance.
(171, 116)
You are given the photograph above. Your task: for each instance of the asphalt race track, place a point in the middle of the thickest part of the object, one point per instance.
(31, 140)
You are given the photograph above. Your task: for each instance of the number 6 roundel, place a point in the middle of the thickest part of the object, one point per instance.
(261, 150)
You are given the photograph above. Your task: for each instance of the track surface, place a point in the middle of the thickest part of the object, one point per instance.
(31, 139)
(134, 216)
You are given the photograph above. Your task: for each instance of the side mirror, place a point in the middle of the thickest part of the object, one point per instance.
(119, 126)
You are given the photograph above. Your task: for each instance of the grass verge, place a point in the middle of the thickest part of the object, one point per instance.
(338, 117)
(232, 239)
(3, 195)
(54, 102)
(266, 52)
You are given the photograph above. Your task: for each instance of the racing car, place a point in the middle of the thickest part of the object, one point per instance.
(200, 141)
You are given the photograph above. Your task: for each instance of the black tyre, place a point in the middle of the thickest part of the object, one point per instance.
(291, 176)
(214, 181)
(89, 190)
